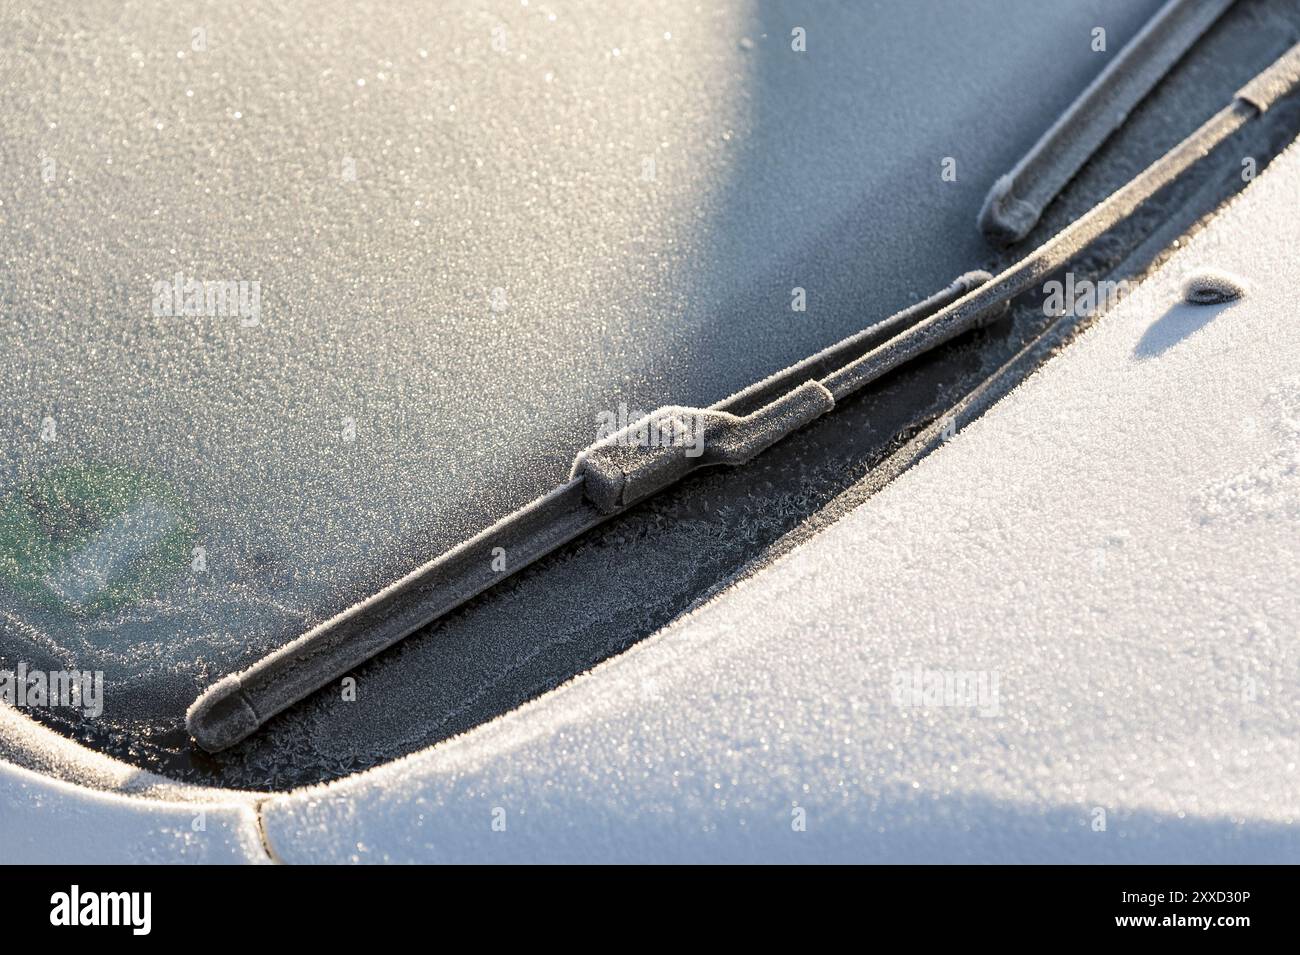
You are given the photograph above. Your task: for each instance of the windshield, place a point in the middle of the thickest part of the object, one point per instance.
(297, 297)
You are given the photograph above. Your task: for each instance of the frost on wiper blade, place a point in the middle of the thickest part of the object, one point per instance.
(610, 476)
(626, 468)
(286, 311)
(1017, 200)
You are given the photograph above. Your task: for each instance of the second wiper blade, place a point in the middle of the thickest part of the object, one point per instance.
(1017, 200)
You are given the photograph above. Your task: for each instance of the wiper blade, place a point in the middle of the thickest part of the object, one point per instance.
(733, 429)
(617, 473)
(1017, 200)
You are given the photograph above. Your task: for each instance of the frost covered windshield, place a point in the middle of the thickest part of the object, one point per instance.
(297, 296)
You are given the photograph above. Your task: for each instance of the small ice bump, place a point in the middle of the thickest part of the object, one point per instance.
(1212, 287)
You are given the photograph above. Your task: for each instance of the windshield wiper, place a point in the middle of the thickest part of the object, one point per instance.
(607, 478)
(623, 469)
(1017, 200)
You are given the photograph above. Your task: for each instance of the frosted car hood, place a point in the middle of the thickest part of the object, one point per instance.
(1107, 558)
